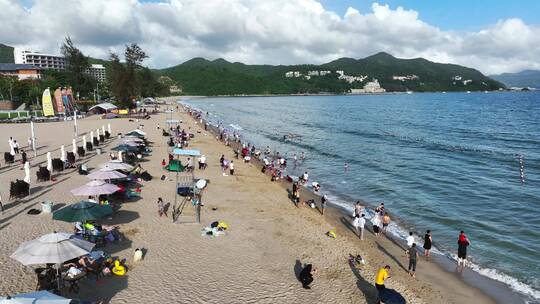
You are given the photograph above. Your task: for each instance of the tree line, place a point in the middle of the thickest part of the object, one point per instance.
(126, 81)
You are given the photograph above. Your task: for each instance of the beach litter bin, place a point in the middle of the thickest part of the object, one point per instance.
(98, 151)
(46, 207)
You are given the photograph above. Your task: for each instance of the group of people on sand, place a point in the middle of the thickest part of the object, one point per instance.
(276, 164)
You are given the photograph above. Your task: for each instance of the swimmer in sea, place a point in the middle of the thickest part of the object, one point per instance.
(346, 167)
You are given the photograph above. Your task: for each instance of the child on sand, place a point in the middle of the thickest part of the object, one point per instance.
(161, 207)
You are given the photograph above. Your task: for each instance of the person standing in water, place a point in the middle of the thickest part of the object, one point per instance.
(427, 243)
(463, 242)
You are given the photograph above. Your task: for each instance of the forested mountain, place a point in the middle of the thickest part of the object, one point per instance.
(220, 77)
(523, 79)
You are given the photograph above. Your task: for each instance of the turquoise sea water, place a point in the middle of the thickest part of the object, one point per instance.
(445, 162)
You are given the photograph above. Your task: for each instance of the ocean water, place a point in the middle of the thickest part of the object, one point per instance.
(444, 162)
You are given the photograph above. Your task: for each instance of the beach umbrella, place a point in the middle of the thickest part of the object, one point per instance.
(36, 297)
(132, 139)
(52, 248)
(91, 137)
(84, 141)
(97, 133)
(27, 172)
(109, 127)
(106, 174)
(62, 153)
(116, 165)
(140, 132)
(120, 156)
(82, 211)
(74, 144)
(12, 151)
(130, 143)
(135, 134)
(103, 129)
(125, 148)
(95, 187)
(49, 162)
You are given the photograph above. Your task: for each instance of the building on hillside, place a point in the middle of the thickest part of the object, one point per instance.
(373, 87)
(174, 89)
(313, 73)
(289, 74)
(21, 71)
(97, 71)
(44, 61)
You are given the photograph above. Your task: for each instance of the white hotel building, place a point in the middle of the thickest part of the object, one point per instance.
(44, 61)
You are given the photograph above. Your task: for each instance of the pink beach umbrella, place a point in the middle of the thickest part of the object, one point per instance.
(95, 187)
(106, 174)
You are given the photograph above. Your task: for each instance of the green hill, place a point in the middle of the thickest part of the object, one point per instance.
(220, 77)
(6, 54)
(527, 78)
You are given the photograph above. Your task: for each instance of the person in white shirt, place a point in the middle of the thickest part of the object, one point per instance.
(202, 162)
(359, 222)
(305, 177)
(410, 240)
(231, 168)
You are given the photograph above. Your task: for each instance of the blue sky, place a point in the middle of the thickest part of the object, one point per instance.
(455, 14)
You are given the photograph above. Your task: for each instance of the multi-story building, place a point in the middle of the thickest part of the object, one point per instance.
(21, 71)
(97, 71)
(44, 61)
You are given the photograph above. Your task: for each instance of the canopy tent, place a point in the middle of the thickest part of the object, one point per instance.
(82, 211)
(175, 165)
(182, 152)
(103, 107)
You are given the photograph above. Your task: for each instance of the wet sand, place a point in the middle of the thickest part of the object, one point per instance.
(255, 262)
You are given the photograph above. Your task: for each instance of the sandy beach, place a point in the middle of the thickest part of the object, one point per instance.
(255, 262)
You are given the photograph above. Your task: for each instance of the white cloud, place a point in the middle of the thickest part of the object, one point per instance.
(252, 31)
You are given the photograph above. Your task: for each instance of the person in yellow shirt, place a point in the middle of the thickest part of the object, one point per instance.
(382, 275)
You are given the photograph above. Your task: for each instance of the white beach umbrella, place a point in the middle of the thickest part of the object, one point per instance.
(12, 151)
(115, 165)
(106, 174)
(27, 172)
(120, 156)
(92, 136)
(103, 129)
(74, 144)
(49, 162)
(132, 139)
(130, 143)
(62, 153)
(109, 127)
(97, 133)
(95, 187)
(56, 247)
(36, 297)
(84, 141)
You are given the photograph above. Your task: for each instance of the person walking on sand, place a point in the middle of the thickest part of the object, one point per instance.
(306, 276)
(463, 242)
(161, 207)
(413, 255)
(427, 243)
(382, 275)
(231, 168)
(324, 199)
(16, 146)
(359, 223)
(385, 222)
(376, 220)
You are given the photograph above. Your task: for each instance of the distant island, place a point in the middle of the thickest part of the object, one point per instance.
(199, 76)
(523, 79)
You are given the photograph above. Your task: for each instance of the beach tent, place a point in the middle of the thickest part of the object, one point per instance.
(36, 297)
(103, 107)
(135, 134)
(175, 165)
(125, 148)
